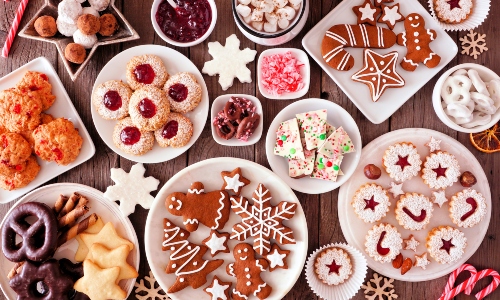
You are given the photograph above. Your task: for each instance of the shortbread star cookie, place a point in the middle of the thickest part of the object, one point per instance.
(99, 284)
(108, 258)
(108, 237)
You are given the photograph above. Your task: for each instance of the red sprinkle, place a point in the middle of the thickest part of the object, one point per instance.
(17, 108)
(281, 73)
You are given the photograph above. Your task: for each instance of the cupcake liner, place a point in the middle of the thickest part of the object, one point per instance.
(345, 290)
(479, 13)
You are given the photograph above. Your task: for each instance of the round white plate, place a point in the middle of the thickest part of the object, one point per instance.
(336, 116)
(175, 62)
(355, 229)
(107, 210)
(208, 172)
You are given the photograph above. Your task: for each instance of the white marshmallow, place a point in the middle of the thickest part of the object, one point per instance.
(248, 19)
(267, 6)
(286, 13)
(258, 25)
(243, 10)
(280, 3)
(268, 27)
(273, 19)
(283, 23)
(245, 2)
(295, 2)
(256, 3)
(257, 15)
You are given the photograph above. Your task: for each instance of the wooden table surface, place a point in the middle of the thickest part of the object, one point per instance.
(320, 210)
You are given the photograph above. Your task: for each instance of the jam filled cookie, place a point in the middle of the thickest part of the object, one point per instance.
(453, 12)
(37, 83)
(17, 180)
(371, 203)
(146, 70)
(413, 211)
(57, 141)
(446, 244)
(14, 149)
(19, 112)
(111, 99)
(402, 161)
(333, 266)
(131, 139)
(467, 208)
(176, 132)
(383, 242)
(148, 108)
(183, 92)
(441, 170)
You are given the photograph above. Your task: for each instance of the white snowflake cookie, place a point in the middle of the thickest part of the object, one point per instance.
(371, 203)
(413, 211)
(441, 170)
(446, 244)
(383, 242)
(402, 161)
(333, 266)
(467, 208)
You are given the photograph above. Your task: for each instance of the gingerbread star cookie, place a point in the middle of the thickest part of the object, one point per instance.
(391, 15)
(107, 258)
(99, 284)
(218, 290)
(367, 13)
(277, 258)
(234, 181)
(217, 242)
(379, 2)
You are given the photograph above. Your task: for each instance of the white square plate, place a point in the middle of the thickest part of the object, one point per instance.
(63, 107)
(394, 98)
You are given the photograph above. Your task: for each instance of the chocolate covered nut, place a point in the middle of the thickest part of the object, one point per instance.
(372, 171)
(467, 179)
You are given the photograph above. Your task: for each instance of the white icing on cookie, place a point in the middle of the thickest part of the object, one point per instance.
(391, 14)
(216, 243)
(276, 259)
(367, 12)
(217, 290)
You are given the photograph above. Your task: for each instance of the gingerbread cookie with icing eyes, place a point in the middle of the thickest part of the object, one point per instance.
(197, 207)
(417, 40)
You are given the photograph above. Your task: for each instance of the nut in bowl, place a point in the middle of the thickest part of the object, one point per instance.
(187, 25)
(471, 98)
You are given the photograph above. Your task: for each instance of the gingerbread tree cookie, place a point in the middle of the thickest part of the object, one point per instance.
(186, 259)
(210, 209)
(262, 220)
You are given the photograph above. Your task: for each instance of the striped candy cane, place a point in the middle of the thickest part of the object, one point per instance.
(469, 284)
(453, 278)
(14, 27)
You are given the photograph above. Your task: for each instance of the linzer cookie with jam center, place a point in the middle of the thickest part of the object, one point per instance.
(371, 203)
(446, 244)
(467, 208)
(402, 161)
(413, 211)
(383, 242)
(333, 266)
(441, 170)
(453, 11)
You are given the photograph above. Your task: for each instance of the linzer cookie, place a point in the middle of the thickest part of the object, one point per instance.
(333, 266)
(327, 168)
(371, 203)
(313, 125)
(453, 12)
(338, 143)
(446, 244)
(413, 211)
(402, 161)
(467, 208)
(288, 142)
(366, 13)
(383, 242)
(358, 36)
(441, 170)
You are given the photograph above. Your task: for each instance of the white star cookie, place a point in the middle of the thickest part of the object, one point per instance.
(411, 243)
(131, 189)
(433, 144)
(422, 261)
(439, 198)
(229, 62)
(396, 189)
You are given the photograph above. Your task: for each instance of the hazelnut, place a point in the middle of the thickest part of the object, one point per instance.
(467, 179)
(372, 171)
(398, 261)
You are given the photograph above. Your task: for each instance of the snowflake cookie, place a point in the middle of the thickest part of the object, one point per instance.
(153, 292)
(131, 188)
(473, 46)
(229, 62)
(262, 220)
(375, 290)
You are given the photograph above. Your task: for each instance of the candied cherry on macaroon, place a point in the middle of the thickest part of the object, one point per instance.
(149, 108)
(146, 70)
(111, 99)
(131, 139)
(183, 92)
(176, 132)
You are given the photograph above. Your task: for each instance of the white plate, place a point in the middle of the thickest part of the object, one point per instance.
(174, 62)
(107, 210)
(219, 104)
(336, 116)
(62, 108)
(355, 229)
(392, 99)
(305, 71)
(208, 172)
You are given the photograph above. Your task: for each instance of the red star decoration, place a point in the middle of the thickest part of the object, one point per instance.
(446, 245)
(403, 162)
(333, 267)
(440, 171)
(454, 4)
(371, 203)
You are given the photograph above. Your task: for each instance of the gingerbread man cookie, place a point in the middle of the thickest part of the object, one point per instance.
(417, 38)
(247, 271)
(210, 209)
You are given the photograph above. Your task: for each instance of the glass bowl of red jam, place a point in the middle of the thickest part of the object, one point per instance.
(187, 25)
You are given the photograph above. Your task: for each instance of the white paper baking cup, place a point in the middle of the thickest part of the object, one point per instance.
(345, 290)
(480, 12)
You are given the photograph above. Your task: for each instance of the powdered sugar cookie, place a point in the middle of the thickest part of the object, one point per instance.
(453, 11)
(413, 211)
(421, 261)
(333, 266)
(371, 203)
(467, 208)
(402, 161)
(111, 99)
(146, 70)
(383, 242)
(441, 170)
(149, 108)
(446, 244)
(176, 132)
(183, 92)
(131, 139)
(411, 243)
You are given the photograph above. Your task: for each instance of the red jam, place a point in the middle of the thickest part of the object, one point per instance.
(381, 250)
(371, 204)
(454, 4)
(144, 74)
(473, 203)
(147, 108)
(403, 162)
(423, 214)
(178, 92)
(334, 268)
(130, 135)
(112, 100)
(446, 245)
(170, 129)
(440, 171)
(58, 153)
(44, 77)
(17, 109)
(189, 22)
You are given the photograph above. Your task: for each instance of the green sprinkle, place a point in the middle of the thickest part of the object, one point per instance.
(321, 159)
(346, 148)
(321, 166)
(322, 136)
(292, 150)
(335, 167)
(283, 137)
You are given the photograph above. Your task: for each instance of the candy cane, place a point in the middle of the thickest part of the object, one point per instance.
(453, 278)
(469, 284)
(14, 27)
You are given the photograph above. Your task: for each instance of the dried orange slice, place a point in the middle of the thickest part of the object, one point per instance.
(487, 141)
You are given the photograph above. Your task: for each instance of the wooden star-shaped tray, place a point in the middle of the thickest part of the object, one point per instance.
(124, 33)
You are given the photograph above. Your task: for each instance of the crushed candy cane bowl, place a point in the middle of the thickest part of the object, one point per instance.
(304, 71)
(277, 38)
(163, 36)
(486, 75)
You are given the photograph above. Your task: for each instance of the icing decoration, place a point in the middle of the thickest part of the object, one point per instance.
(229, 62)
(375, 288)
(472, 45)
(371, 202)
(338, 143)
(383, 242)
(368, 13)
(262, 220)
(234, 181)
(396, 189)
(154, 291)
(185, 254)
(411, 243)
(439, 198)
(288, 143)
(218, 289)
(421, 261)
(280, 73)
(312, 127)
(390, 15)
(433, 144)
(131, 188)
(217, 242)
(379, 73)
(277, 258)
(446, 244)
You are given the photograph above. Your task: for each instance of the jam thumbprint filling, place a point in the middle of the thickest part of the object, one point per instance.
(144, 73)
(112, 100)
(183, 92)
(130, 135)
(146, 70)
(147, 108)
(132, 139)
(176, 131)
(170, 130)
(178, 92)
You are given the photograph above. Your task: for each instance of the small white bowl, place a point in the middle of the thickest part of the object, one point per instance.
(160, 33)
(219, 104)
(305, 71)
(486, 75)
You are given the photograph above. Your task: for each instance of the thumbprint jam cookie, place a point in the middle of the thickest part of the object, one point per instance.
(383, 242)
(413, 211)
(176, 132)
(402, 161)
(146, 70)
(371, 203)
(446, 244)
(441, 170)
(467, 208)
(148, 108)
(131, 139)
(183, 92)
(111, 99)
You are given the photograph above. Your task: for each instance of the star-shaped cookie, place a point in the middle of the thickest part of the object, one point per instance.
(99, 284)
(391, 15)
(421, 261)
(107, 258)
(379, 73)
(229, 62)
(434, 144)
(439, 198)
(217, 242)
(396, 189)
(234, 181)
(366, 13)
(411, 243)
(106, 237)
(277, 258)
(218, 290)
